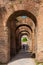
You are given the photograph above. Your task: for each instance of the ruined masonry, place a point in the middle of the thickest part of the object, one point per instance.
(20, 18)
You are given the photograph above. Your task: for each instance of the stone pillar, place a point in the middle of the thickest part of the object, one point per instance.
(33, 42)
(13, 40)
(4, 45)
(39, 52)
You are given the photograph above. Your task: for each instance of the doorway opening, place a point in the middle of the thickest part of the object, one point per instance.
(18, 24)
(24, 43)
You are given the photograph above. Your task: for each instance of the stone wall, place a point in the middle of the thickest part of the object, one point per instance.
(39, 53)
(7, 8)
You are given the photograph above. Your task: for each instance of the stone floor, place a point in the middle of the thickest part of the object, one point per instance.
(22, 58)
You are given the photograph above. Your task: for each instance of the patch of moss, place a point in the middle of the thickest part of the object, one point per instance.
(38, 63)
(42, 63)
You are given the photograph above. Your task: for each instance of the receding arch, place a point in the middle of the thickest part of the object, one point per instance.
(23, 33)
(24, 25)
(21, 13)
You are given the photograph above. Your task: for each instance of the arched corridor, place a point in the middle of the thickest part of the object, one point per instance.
(21, 24)
(21, 30)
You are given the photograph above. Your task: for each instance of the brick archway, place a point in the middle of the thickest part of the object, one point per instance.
(10, 27)
(21, 13)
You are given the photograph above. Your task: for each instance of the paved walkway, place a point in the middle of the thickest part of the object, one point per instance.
(23, 58)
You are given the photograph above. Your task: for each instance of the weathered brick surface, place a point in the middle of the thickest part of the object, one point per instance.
(8, 7)
(40, 35)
